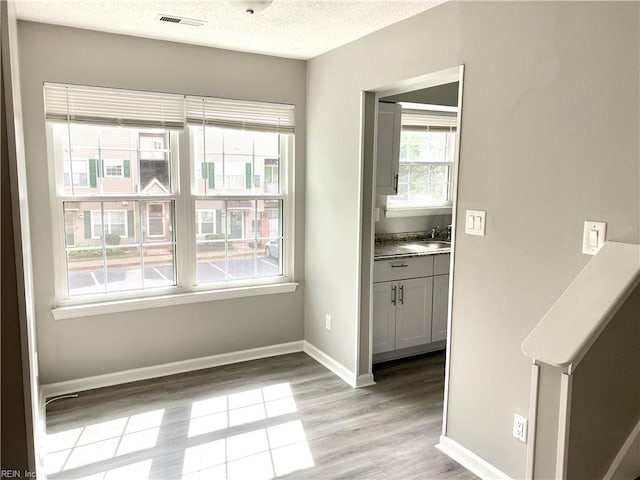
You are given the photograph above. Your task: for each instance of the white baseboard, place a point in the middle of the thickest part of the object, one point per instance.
(116, 378)
(623, 465)
(336, 367)
(470, 460)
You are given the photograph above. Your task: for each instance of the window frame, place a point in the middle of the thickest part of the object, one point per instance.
(55, 164)
(285, 179)
(184, 222)
(434, 208)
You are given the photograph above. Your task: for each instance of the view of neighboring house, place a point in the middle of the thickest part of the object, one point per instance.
(131, 242)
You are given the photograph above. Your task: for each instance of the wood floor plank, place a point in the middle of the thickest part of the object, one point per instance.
(286, 417)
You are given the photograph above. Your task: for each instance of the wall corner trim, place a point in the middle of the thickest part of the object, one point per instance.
(365, 380)
(336, 367)
(470, 460)
(154, 371)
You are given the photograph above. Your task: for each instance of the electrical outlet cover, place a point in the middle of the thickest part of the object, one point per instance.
(520, 427)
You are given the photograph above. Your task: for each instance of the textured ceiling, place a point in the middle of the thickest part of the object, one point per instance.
(287, 28)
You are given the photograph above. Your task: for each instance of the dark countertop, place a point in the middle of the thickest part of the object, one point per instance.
(406, 249)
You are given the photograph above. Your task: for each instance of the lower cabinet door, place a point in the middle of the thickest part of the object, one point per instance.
(413, 313)
(384, 317)
(440, 307)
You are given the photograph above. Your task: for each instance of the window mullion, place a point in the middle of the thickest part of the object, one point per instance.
(142, 235)
(104, 248)
(226, 234)
(185, 213)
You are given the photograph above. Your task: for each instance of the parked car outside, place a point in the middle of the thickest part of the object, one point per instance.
(272, 249)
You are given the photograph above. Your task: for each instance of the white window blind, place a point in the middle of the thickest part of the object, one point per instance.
(239, 114)
(419, 120)
(107, 106)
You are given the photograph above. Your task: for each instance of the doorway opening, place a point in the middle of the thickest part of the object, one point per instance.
(410, 161)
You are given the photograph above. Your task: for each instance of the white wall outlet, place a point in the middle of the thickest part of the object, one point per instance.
(593, 237)
(520, 427)
(475, 222)
(327, 321)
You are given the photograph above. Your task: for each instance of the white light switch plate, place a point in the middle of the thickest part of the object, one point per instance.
(475, 222)
(593, 237)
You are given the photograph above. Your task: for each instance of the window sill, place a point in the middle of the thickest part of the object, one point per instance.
(417, 211)
(116, 306)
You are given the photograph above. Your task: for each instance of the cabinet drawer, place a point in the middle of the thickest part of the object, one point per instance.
(441, 264)
(413, 267)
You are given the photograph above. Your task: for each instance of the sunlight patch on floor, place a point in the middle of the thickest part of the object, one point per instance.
(260, 455)
(94, 443)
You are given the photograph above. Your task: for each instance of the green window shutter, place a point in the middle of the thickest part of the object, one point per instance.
(87, 224)
(203, 169)
(130, 224)
(100, 168)
(92, 173)
(248, 175)
(126, 168)
(212, 175)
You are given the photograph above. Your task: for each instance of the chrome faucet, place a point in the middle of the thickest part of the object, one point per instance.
(434, 232)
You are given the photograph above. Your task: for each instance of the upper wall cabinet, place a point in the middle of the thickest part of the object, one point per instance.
(388, 148)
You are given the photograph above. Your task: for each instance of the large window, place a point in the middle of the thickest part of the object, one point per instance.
(239, 204)
(126, 176)
(427, 147)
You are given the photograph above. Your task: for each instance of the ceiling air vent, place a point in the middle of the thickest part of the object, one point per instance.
(190, 22)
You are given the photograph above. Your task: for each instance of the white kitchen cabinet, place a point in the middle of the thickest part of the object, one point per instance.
(440, 307)
(401, 314)
(410, 305)
(388, 148)
(413, 312)
(384, 317)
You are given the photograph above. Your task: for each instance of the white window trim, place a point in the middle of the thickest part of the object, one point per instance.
(149, 220)
(170, 299)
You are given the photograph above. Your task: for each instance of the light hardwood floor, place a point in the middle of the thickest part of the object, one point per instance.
(282, 417)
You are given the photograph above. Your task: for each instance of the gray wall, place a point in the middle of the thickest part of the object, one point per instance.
(605, 407)
(546, 144)
(77, 348)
